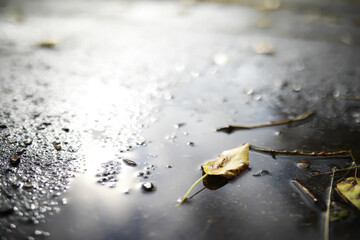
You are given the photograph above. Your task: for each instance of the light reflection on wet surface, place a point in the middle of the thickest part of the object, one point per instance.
(124, 79)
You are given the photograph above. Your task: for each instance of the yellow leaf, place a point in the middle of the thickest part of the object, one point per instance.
(229, 164)
(350, 189)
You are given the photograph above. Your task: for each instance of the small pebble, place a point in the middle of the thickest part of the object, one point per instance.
(148, 187)
(28, 185)
(261, 173)
(126, 191)
(28, 141)
(257, 97)
(179, 125)
(130, 162)
(64, 201)
(221, 59)
(296, 88)
(191, 144)
(15, 160)
(303, 164)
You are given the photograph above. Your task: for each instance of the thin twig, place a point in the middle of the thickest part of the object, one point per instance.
(318, 202)
(191, 188)
(338, 170)
(231, 128)
(327, 219)
(297, 152)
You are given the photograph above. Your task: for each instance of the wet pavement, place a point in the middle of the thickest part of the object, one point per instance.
(109, 109)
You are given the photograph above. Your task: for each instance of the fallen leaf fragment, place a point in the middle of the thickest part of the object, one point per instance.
(350, 190)
(229, 164)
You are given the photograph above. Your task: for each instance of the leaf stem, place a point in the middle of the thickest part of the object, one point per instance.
(191, 188)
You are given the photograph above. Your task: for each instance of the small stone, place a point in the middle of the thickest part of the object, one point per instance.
(65, 129)
(297, 88)
(20, 151)
(221, 59)
(2, 126)
(179, 125)
(257, 97)
(261, 173)
(15, 160)
(148, 187)
(130, 162)
(41, 127)
(249, 91)
(169, 166)
(28, 185)
(191, 144)
(303, 164)
(126, 191)
(28, 141)
(64, 201)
